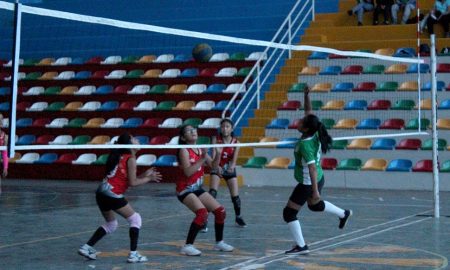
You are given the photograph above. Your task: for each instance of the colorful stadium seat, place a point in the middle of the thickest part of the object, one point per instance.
(343, 87)
(255, 162)
(145, 160)
(339, 144)
(423, 166)
(370, 123)
(66, 158)
(383, 144)
(399, 165)
(445, 167)
(334, 105)
(394, 123)
(352, 70)
(440, 85)
(328, 163)
(396, 69)
(278, 163)
(147, 105)
(414, 124)
(310, 71)
(24, 122)
(104, 90)
(363, 144)
(347, 123)
(278, 124)
(404, 104)
(409, 86)
(331, 70)
(409, 144)
(166, 161)
(297, 88)
(379, 104)
(428, 144)
(443, 123)
(365, 87)
(55, 106)
(374, 69)
(26, 139)
(213, 88)
(321, 87)
(350, 164)
(375, 164)
(61, 140)
(81, 139)
(290, 105)
(387, 87)
(132, 122)
(177, 89)
(356, 105)
(160, 140)
(85, 159)
(47, 158)
(166, 105)
(109, 106)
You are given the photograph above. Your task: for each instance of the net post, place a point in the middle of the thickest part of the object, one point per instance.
(434, 129)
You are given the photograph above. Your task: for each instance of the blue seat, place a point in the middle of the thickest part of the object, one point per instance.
(179, 58)
(81, 75)
(370, 123)
(104, 90)
(47, 158)
(445, 105)
(4, 106)
(399, 165)
(215, 88)
(343, 87)
(108, 106)
(291, 165)
(424, 68)
(165, 161)
(24, 122)
(220, 106)
(26, 139)
(281, 123)
(5, 91)
(77, 61)
(290, 145)
(405, 52)
(331, 70)
(439, 86)
(143, 139)
(189, 73)
(318, 55)
(383, 144)
(132, 122)
(356, 105)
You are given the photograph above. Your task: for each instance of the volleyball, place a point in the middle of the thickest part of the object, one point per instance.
(202, 52)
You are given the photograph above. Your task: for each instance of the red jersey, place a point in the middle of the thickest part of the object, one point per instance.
(227, 152)
(194, 181)
(116, 182)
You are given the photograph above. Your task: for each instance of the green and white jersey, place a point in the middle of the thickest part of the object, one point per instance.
(307, 151)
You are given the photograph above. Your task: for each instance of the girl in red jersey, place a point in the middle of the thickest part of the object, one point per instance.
(121, 173)
(3, 142)
(190, 192)
(225, 167)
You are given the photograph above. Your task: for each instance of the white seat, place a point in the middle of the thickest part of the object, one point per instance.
(204, 105)
(65, 75)
(90, 106)
(62, 140)
(85, 90)
(219, 57)
(147, 105)
(254, 56)
(112, 123)
(85, 159)
(170, 73)
(116, 74)
(9, 64)
(174, 140)
(34, 91)
(113, 140)
(37, 107)
(235, 87)
(28, 158)
(196, 88)
(145, 160)
(57, 123)
(62, 61)
(20, 76)
(210, 123)
(173, 122)
(226, 72)
(111, 60)
(5, 122)
(164, 58)
(139, 89)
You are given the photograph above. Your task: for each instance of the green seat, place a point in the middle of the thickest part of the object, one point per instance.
(445, 166)
(158, 89)
(340, 144)
(316, 105)
(328, 122)
(136, 73)
(428, 144)
(76, 123)
(165, 105)
(404, 104)
(255, 162)
(82, 139)
(101, 160)
(55, 106)
(350, 164)
(387, 87)
(30, 62)
(243, 72)
(297, 87)
(192, 122)
(203, 140)
(129, 59)
(363, 51)
(52, 90)
(238, 56)
(33, 76)
(414, 124)
(374, 69)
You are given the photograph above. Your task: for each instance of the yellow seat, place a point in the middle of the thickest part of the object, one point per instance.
(334, 105)
(396, 69)
(151, 73)
(310, 71)
(100, 139)
(177, 89)
(385, 51)
(184, 105)
(269, 139)
(146, 59)
(94, 122)
(408, 86)
(425, 104)
(375, 164)
(68, 90)
(46, 62)
(443, 123)
(48, 75)
(360, 144)
(321, 87)
(279, 163)
(346, 123)
(73, 106)
(17, 156)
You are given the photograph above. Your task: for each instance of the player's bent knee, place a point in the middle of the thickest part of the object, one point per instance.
(318, 207)
(220, 215)
(201, 216)
(110, 226)
(135, 220)
(289, 214)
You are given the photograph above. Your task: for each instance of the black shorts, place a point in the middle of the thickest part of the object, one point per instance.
(107, 203)
(225, 175)
(197, 193)
(302, 192)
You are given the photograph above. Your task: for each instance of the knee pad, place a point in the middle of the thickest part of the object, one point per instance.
(213, 192)
(289, 214)
(220, 215)
(110, 226)
(201, 216)
(318, 207)
(135, 220)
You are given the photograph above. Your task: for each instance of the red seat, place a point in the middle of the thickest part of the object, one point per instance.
(379, 104)
(290, 105)
(160, 140)
(66, 158)
(99, 74)
(127, 105)
(353, 69)
(152, 122)
(425, 165)
(41, 122)
(409, 144)
(337, 56)
(443, 68)
(44, 139)
(208, 72)
(365, 87)
(94, 60)
(328, 163)
(22, 106)
(294, 124)
(394, 123)
(122, 89)
(3, 75)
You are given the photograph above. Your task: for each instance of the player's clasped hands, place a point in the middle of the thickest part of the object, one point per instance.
(153, 174)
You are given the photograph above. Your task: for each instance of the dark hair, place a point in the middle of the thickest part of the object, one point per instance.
(181, 134)
(313, 124)
(114, 156)
(229, 121)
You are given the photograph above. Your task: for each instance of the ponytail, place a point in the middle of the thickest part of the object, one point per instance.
(116, 153)
(324, 138)
(313, 125)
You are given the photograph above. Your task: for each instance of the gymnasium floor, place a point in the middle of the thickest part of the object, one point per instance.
(42, 224)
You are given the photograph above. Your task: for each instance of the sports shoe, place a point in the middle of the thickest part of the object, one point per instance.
(222, 246)
(343, 221)
(88, 252)
(205, 228)
(135, 257)
(190, 250)
(298, 250)
(240, 222)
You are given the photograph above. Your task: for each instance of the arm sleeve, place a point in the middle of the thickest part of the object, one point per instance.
(5, 159)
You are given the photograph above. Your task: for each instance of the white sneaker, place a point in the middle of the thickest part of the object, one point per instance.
(88, 252)
(222, 246)
(204, 230)
(135, 257)
(190, 250)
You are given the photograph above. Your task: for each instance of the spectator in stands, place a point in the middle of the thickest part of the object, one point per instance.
(406, 5)
(439, 14)
(120, 174)
(360, 8)
(382, 6)
(3, 142)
